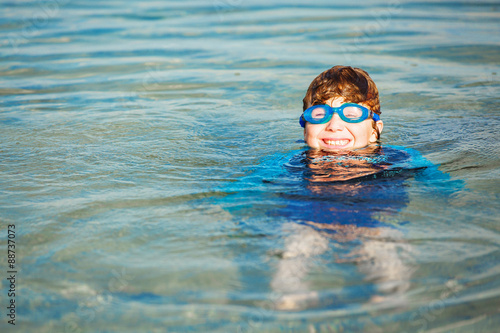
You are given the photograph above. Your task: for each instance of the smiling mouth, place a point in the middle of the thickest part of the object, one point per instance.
(336, 143)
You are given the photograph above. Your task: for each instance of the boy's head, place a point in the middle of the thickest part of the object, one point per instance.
(340, 127)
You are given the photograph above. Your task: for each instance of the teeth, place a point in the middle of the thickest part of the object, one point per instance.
(336, 142)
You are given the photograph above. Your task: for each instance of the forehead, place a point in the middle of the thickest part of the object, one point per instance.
(335, 102)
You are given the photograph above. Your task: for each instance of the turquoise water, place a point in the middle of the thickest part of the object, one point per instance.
(145, 163)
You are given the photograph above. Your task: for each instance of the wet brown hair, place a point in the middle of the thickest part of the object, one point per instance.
(352, 84)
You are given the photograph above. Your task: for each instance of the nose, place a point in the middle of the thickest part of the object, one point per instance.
(335, 124)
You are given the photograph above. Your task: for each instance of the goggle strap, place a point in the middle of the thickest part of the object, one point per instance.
(302, 121)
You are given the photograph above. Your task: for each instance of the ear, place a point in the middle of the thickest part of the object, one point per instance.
(379, 126)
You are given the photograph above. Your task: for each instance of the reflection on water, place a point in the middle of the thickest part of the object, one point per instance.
(345, 166)
(149, 161)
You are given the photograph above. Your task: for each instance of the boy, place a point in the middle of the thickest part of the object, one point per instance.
(341, 110)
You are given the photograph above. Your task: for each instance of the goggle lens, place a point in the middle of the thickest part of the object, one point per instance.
(353, 112)
(318, 114)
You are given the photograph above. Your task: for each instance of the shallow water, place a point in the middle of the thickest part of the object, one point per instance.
(143, 147)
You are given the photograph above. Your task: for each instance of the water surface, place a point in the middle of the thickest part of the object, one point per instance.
(145, 161)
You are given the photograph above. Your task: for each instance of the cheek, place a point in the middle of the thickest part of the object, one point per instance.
(361, 133)
(311, 134)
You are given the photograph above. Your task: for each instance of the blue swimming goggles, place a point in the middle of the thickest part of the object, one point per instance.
(348, 112)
